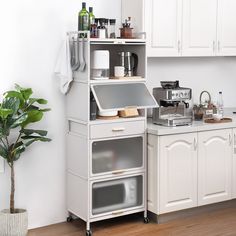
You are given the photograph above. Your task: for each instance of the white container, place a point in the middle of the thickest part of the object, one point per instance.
(119, 71)
(13, 224)
(100, 64)
(107, 113)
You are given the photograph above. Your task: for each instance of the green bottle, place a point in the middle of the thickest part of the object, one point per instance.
(83, 18)
(91, 16)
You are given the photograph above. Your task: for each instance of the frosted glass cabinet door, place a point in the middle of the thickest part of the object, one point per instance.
(117, 155)
(119, 194)
(110, 97)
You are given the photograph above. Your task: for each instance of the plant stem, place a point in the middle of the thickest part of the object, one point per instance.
(12, 197)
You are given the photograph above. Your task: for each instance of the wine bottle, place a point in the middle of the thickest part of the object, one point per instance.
(83, 18)
(91, 16)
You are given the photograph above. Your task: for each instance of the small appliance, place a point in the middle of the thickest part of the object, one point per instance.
(129, 61)
(100, 64)
(113, 195)
(173, 103)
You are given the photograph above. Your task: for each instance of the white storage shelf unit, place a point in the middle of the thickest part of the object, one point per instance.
(106, 157)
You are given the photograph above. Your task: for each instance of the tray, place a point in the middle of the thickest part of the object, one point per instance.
(223, 120)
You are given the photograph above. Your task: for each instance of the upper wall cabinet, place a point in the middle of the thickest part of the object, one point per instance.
(226, 31)
(185, 27)
(199, 28)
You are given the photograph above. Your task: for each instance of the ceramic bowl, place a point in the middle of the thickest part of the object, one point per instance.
(217, 117)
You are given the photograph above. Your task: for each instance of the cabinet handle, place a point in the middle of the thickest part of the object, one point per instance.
(195, 144)
(214, 46)
(117, 213)
(218, 45)
(118, 172)
(235, 140)
(230, 140)
(118, 129)
(179, 46)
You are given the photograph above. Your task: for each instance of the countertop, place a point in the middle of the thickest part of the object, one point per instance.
(197, 126)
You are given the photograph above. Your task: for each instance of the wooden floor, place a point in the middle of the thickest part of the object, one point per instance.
(217, 223)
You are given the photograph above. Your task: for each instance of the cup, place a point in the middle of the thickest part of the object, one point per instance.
(119, 71)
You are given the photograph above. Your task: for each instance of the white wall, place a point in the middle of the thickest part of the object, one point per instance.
(31, 35)
(211, 74)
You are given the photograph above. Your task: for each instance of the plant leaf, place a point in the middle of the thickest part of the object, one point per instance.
(45, 110)
(37, 138)
(12, 103)
(33, 116)
(19, 120)
(32, 131)
(15, 94)
(25, 92)
(4, 113)
(38, 100)
(3, 152)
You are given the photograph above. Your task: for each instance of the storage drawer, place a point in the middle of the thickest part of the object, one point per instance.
(117, 129)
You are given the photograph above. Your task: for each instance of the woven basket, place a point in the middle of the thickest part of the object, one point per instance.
(13, 224)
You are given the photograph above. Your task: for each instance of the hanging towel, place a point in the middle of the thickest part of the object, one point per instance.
(63, 69)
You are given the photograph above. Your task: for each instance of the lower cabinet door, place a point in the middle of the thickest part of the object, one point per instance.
(214, 166)
(114, 196)
(178, 172)
(234, 165)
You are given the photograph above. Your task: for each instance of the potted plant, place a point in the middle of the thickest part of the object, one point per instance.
(18, 110)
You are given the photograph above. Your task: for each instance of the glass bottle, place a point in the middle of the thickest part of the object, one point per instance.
(220, 104)
(112, 28)
(83, 18)
(91, 16)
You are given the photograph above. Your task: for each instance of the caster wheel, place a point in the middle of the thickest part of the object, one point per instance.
(69, 219)
(146, 220)
(88, 233)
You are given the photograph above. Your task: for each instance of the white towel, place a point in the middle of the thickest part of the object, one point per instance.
(63, 69)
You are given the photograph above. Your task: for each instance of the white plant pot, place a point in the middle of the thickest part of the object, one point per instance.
(13, 224)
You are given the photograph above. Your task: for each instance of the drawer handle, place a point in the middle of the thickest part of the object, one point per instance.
(118, 172)
(118, 129)
(117, 213)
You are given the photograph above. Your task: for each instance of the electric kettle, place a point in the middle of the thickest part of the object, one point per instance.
(129, 61)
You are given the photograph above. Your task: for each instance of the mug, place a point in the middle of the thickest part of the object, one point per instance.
(119, 71)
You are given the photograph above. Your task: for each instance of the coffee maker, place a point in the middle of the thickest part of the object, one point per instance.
(173, 103)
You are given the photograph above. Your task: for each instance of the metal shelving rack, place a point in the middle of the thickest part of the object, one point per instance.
(106, 152)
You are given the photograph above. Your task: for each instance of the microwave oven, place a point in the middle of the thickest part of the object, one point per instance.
(115, 195)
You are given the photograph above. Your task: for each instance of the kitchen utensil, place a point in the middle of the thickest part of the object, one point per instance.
(81, 55)
(129, 61)
(74, 55)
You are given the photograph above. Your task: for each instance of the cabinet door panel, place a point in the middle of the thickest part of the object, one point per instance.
(163, 26)
(199, 27)
(234, 165)
(178, 172)
(226, 28)
(214, 166)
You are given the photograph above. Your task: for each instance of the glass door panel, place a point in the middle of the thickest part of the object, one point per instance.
(118, 194)
(117, 154)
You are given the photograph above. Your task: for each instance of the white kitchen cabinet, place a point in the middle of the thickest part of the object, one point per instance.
(234, 165)
(185, 27)
(226, 28)
(214, 166)
(177, 172)
(163, 27)
(199, 27)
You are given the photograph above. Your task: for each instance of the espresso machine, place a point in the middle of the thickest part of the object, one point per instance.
(173, 103)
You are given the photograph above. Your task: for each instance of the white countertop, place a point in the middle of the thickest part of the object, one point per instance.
(197, 126)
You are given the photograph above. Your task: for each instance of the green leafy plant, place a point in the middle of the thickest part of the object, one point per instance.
(17, 111)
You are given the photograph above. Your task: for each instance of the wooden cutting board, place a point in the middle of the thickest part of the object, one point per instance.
(223, 120)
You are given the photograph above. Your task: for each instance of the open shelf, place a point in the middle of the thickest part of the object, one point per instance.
(116, 81)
